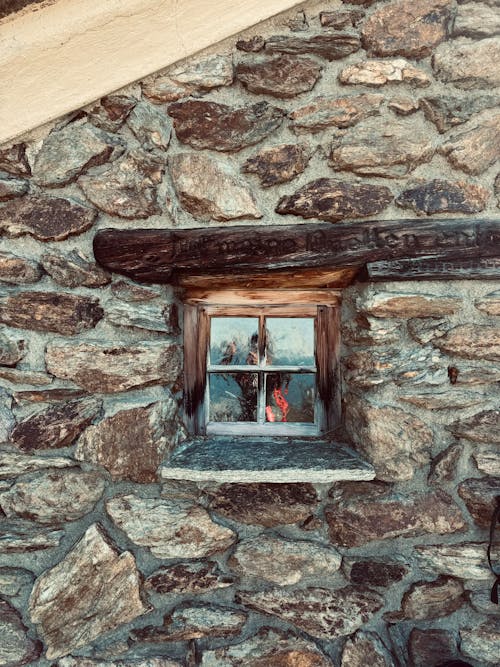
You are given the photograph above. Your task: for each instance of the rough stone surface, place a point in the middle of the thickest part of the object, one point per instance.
(278, 164)
(13, 160)
(10, 188)
(265, 504)
(113, 442)
(187, 579)
(281, 77)
(334, 200)
(467, 64)
(132, 292)
(67, 314)
(171, 529)
(68, 152)
(24, 536)
(363, 330)
(187, 623)
(55, 426)
(444, 465)
(53, 497)
(139, 662)
(379, 303)
(146, 316)
(365, 648)
(481, 427)
(480, 496)
(395, 442)
(476, 20)
(381, 72)
(110, 368)
(406, 28)
(11, 351)
(465, 560)
(16, 648)
(74, 270)
(94, 587)
(219, 127)
(211, 188)
(13, 464)
(487, 461)
(440, 196)
(358, 521)
(324, 112)
(403, 106)
(377, 573)
(151, 126)
(46, 395)
(283, 562)
(489, 304)
(16, 376)
(450, 398)
(482, 642)
(18, 270)
(252, 45)
(14, 581)
(45, 218)
(430, 647)
(430, 599)
(475, 146)
(376, 148)
(471, 341)
(127, 188)
(322, 613)
(111, 111)
(331, 46)
(341, 19)
(448, 111)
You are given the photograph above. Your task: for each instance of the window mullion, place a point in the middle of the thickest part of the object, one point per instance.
(261, 393)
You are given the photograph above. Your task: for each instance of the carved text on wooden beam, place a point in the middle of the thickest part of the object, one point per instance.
(430, 268)
(156, 255)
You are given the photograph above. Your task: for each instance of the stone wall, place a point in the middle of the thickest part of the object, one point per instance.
(336, 112)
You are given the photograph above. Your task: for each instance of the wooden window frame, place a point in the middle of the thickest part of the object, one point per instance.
(322, 304)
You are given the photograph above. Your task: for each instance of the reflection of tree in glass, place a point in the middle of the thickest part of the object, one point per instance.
(247, 381)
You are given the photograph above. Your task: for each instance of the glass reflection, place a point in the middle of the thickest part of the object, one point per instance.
(234, 341)
(290, 397)
(290, 341)
(233, 397)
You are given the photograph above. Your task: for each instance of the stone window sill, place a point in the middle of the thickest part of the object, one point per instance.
(278, 460)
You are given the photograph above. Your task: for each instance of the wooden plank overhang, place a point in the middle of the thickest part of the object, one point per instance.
(314, 254)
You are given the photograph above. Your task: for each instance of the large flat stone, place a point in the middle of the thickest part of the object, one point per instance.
(480, 496)
(145, 316)
(448, 111)
(381, 573)
(16, 648)
(366, 648)
(406, 304)
(326, 111)
(382, 72)
(94, 588)
(278, 164)
(476, 20)
(481, 427)
(439, 196)
(465, 560)
(187, 579)
(427, 646)
(331, 46)
(13, 464)
(482, 642)
(281, 77)
(471, 341)
(18, 270)
(74, 270)
(21, 537)
(474, 147)
(467, 64)
(430, 599)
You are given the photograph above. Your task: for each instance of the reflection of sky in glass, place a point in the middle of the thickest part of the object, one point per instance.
(290, 340)
(231, 340)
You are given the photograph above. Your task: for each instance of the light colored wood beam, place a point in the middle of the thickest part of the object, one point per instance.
(56, 58)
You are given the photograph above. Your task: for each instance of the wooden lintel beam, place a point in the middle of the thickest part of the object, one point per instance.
(432, 268)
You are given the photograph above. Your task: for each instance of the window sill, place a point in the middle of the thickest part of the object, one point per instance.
(278, 460)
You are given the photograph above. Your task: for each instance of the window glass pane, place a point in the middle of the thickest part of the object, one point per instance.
(290, 397)
(234, 340)
(290, 341)
(233, 397)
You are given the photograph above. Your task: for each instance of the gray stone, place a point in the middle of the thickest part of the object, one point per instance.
(444, 465)
(16, 648)
(326, 111)
(363, 330)
(440, 196)
(482, 642)
(15, 581)
(131, 292)
(377, 147)
(465, 560)
(94, 588)
(471, 341)
(111, 368)
(489, 303)
(382, 72)
(475, 146)
(47, 395)
(55, 426)
(479, 496)
(139, 662)
(403, 106)
(283, 77)
(25, 536)
(16, 376)
(10, 187)
(186, 579)
(11, 351)
(331, 46)
(151, 126)
(366, 648)
(480, 600)
(13, 160)
(322, 613)
(282, 562)
(53, 497)
(169, 528)
(111, 111)
(146, 316)
(74, 270)
(467, 64)
(424, 330)
(13, 464)
(450, 398)
(428, 648)
(45, 218)
(448, 111)
(487, 460)
(430, 599)
(476, 20)
(18, 270)
(278, 164)
(211, 188)
(68, 152)
(406, 304)
(127, 188)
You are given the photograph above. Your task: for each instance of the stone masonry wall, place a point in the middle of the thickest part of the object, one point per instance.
(340, 111)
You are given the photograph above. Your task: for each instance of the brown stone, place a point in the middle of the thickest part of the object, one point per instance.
(357, 522)
(278, 164)
(131, 292)
(331, 46)
(47, 395)
(137, 662)
(394, 441)
(74, 270)
(378, 148)
(151, 126)
(20, 536)
(110, 368)
(11, 351)
(16, 376)
(377, 573)
(265, 504)
(203, 124)
(467, 64)
(475, 146)
(323, 112)
(211, 188)
(341, 19)
(169, 528)
(440, 196)
(334, 200)
(448, 111)
(13, 160)
(322, 613)
(487, 461)
(489, 303)
(400, 304)
(16, 648)
(427, 648)
(406, 28)
(282, 77)
(147, 316)
(13, 464)
(450, 398)
(112, 442)
(252, 45)
(480, 495)
(45, 218)
(366, 648)
(403, 106)
(430, 599)
(127, 188)
(18, 270)
(53, 497)
(55, 426)
(476, 20)
(466, 560)
(111, 112)
(482, 642)
(363, 330)
(444, 465)
(94, 586)
(187, 579)
(67, 314)
(381, 72)
(10, 188)
(471, 341)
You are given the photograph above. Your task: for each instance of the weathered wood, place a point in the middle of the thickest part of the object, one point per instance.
(263, 297)
(430, 268)
(154, 255)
